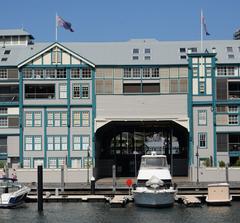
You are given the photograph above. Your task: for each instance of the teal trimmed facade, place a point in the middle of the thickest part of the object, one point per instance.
(66, 94)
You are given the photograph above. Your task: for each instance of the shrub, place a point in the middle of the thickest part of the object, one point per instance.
(207, 162)
(2, 164)
(237, 163)
(222, 163)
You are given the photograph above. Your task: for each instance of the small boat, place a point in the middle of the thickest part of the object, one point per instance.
(14, 194)
(154, 183)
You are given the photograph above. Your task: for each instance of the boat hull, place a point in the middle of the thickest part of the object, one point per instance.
(156, 199)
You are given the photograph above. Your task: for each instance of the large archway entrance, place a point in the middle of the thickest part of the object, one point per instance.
(123, 144)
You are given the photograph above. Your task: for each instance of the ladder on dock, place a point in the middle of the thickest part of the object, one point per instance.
(189, 200)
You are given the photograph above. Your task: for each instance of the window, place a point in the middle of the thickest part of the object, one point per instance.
(76, 119)
(50, 73)
(33, 119)
(147, 50)
(195, 71)
(57, 119)
(57, 143)
(76, 90)
(229, 49)
(135, 57)
(63, 91)
(4, 59)
(182, 50)
(202, 117)
(52, 163)
(232, 119)
(183, 57)
(38, 73)
(85, 91)
(3, 121)
(76, 142)
(33, 143)
(233, 109)
(3, 74)
(135, 51)
(81, 142)
(75, 73)
(193, 49)
(56, 56)
(147, 58)
(81, 118)
(231, 56)
(61, 73)
(127, 72)
(27, 163)
(202, 87)
(76, 163)
(136, 72)
(3, 111)
(155, 72)
(146, 72)
(37, 162)
(208, 71)
(202, 140)
(85, 118)
(226, 71)
(86, 73)
(7, 52)
(85, 142)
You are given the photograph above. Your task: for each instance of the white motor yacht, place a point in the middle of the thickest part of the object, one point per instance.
(154, 182)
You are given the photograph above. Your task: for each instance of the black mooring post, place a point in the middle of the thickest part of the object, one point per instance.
(92, 185)
(40, 189)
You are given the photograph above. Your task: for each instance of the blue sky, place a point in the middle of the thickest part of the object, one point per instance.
(112, 20)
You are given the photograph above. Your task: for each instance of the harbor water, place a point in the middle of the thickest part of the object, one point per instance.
(102, 213)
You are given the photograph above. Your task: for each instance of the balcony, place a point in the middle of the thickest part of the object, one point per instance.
(9, 93)
(234, 90)
(43, 91)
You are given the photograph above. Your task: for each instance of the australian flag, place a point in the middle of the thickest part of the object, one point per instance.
(62, 23)
(205, 26)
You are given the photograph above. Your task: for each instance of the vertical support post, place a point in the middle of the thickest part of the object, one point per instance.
(62, 178)
(40, 189)
(171, 152)
(92, 185)
(114, 178)
(197, 155)
(227, 174)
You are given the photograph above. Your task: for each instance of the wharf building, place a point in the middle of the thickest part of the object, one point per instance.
(91, 105)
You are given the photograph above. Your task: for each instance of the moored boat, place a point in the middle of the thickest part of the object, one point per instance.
(14, 194)
(154, 183)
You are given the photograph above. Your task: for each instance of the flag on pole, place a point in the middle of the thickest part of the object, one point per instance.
(205, 26)
(62, 23)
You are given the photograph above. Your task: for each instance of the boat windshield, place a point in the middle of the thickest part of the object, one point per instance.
(153, 162)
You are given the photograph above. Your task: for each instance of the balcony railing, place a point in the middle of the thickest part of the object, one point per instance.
(9, 97)
(40, 95)
(234, 94)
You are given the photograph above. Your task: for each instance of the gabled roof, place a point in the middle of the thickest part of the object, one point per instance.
(15, 32)
(51, 47)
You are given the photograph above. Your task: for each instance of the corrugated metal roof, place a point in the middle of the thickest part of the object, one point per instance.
(121, 53)
(14, 32)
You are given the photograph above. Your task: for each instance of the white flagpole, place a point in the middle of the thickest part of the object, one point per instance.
(201, 31)
(56, 31)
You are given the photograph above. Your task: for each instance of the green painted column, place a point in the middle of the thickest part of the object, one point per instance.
(21, 120)
(190, 115)
(93, 115)
(68, 117)
(45, 137)
(214, 112)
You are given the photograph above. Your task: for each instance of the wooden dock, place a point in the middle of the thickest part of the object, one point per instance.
(69, 198)
(120, 200)
(189, 200)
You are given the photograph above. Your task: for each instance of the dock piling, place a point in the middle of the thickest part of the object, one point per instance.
(62, 178)
(92, 185)
(40, 188)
